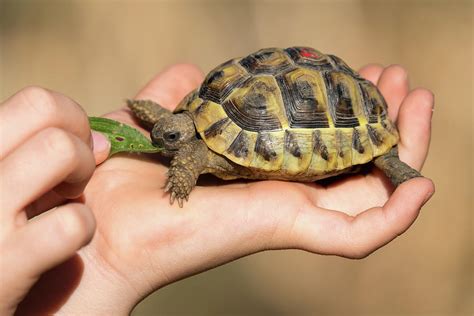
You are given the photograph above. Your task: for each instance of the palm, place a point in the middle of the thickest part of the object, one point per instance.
(138, 230)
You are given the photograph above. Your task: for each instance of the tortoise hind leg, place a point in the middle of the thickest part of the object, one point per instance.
(148, 112)
(395, 169)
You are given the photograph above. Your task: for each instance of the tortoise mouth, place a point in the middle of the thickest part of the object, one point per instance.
(158, 142)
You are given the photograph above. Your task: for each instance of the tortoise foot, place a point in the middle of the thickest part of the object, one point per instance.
(179, 185)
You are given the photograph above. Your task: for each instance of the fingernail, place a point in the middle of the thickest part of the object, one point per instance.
(100, 143)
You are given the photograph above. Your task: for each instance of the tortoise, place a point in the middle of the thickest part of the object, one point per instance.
(292, 114)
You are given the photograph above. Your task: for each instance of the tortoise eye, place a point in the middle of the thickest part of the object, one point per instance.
(171, 136)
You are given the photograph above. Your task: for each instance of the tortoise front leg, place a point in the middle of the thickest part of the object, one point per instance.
(395, 169)
(148, 112)
(186, 166)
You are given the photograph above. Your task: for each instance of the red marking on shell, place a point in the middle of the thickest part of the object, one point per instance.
(310, 54)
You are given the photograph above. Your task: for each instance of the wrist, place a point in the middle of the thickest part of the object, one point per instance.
(80, 286)
(101, 290)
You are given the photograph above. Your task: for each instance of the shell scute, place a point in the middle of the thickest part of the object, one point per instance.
(344, 100)
(222, 81)
(266, 61)
(310, 57)
(362, 151)
(298, 151)
(375, 107)
(256, 105)
(269, 150)
(214, 126)
(324, 157)
(241, 150)
(305, 99)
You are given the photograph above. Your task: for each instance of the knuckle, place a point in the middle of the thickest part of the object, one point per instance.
(73, 224)
(399, 70)
(396, 73)
(424, 94)
(41, 101)
(83, 124)
(51, 106)
(60, 143)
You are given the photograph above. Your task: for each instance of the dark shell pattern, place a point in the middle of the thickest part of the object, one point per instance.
(291, 112)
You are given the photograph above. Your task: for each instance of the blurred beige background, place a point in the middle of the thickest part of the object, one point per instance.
(100, 52)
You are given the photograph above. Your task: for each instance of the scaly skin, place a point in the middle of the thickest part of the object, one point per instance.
(186, 166)
(395, 169)
(148, 112)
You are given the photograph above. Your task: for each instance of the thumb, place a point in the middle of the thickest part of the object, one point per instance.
(100, 147)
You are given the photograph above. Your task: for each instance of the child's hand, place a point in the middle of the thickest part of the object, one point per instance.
(45, 157)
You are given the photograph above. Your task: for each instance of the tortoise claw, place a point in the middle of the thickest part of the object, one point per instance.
(172, 197)
(168, 186)
(180, 182)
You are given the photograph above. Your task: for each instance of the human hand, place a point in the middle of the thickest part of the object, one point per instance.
(45, 157)
(143, 243)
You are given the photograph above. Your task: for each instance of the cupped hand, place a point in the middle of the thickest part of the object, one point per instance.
(143, 243)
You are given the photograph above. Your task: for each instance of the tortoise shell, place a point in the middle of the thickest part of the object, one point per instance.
(293, 111)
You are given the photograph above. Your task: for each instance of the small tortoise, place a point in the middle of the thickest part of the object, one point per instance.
(290, 114)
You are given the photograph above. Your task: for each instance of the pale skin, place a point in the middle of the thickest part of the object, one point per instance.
(122, 237)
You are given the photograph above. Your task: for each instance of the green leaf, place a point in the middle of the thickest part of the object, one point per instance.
(123, 138)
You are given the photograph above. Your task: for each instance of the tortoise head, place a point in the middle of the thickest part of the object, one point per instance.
(172, 132)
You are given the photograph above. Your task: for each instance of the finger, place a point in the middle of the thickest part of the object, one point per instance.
(48, 240)
(372, 72)
(330, 232)
(393, 84)
(61, 161)
(33, 109)
(46, 202)
(101, 147)
(172, 84)
(414, 125)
